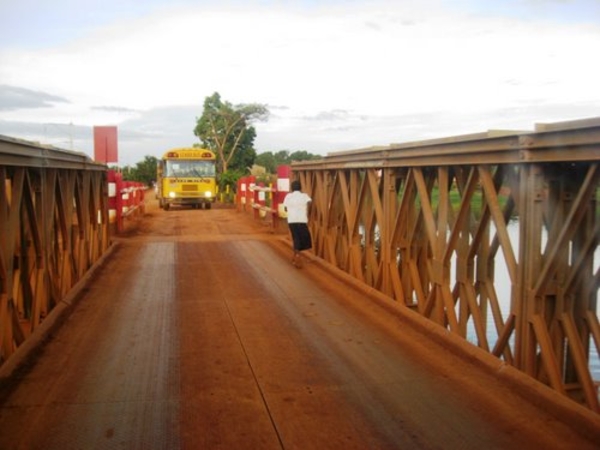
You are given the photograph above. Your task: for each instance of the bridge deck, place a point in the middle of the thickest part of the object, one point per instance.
(198, 333)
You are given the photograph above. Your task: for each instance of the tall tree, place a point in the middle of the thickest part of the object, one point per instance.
(227, 130)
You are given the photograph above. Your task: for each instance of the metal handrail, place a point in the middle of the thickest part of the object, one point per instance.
(22, 153)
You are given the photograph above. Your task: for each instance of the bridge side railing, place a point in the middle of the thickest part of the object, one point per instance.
(432, 224)
(53, 227)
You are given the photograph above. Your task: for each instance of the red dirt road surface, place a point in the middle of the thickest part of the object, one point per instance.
(198, 333)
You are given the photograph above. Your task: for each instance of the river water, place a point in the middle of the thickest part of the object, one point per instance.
(503, 288)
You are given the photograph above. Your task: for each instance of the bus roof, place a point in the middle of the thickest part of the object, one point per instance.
(189, 153)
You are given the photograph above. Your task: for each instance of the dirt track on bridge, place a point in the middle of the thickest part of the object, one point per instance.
(199, 333)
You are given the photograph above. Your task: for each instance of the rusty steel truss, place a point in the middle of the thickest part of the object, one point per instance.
(427, 223)
(53, 227)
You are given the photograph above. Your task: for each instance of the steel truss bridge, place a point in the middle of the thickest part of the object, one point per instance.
(53, 228)
(428, 224)
(425, 222)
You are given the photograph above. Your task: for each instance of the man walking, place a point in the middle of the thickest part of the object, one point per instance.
(296, 205)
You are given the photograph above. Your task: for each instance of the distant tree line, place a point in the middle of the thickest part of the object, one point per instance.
(227, 130)
(270, 161)
(144, 171)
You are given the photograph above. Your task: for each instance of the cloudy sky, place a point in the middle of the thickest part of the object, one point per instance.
(335, 74)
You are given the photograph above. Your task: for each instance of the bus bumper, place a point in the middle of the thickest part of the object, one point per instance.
(196, 202)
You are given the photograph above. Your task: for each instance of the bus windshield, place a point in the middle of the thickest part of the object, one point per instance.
(189, 168)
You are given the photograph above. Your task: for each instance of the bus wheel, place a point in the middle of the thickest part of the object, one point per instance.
(166, 206)
(207, 205)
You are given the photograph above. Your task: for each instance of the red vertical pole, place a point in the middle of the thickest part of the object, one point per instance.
(113, 194)
(250, 182)
(283, 187)
(126, 195)
(119, 201)
(260, 200)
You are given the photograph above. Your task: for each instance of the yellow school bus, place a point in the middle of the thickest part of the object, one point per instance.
(186, 176)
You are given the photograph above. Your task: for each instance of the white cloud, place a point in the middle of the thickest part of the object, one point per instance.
(384, 63)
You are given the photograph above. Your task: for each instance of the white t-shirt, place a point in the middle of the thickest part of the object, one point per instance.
(295, 203)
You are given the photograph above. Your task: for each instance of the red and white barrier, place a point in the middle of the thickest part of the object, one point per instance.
(264, 200)
(283, 188)
(125, 198)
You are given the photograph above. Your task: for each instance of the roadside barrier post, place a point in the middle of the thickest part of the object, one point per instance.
(115, 201)
(250, 183)
(283, 188)
(259, 200)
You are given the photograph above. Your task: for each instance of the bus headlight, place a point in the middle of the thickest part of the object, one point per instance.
(172, 194)
(208, 194)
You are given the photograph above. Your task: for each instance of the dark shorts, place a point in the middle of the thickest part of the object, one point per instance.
(300, 236)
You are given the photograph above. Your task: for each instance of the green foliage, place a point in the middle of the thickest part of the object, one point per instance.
(144, 171)
(226, 129)
(477, 201)
(303, 155)
(270, 161)
(230, 179)
(266, 160)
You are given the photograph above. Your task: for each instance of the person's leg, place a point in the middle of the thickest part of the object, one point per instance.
(303, 241)
(297, 259)
(294, 230)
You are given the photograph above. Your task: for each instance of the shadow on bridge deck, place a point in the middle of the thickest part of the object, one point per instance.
(197, 332)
